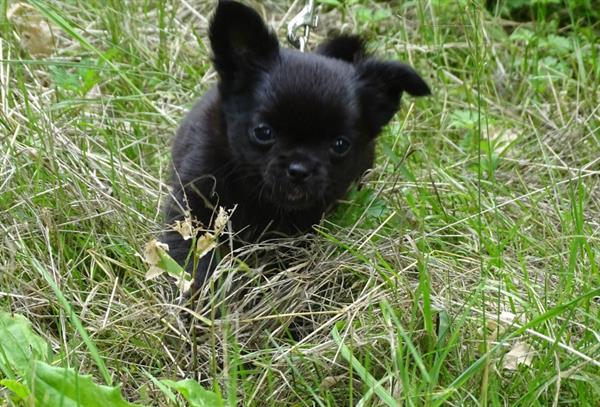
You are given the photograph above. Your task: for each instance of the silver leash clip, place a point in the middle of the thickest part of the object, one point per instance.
(306, 19)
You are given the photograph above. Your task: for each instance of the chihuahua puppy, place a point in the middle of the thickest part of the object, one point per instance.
(283, 134)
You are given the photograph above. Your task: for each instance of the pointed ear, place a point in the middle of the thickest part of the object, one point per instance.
(381, 84)
(349, 48)
(240, 40)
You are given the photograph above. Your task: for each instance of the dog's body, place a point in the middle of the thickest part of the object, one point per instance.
(283, 135)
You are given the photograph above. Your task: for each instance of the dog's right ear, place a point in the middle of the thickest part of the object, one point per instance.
(240, 40)
(349, 48)
(381, 86)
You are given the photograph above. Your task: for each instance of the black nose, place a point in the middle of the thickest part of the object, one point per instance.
(298, 171)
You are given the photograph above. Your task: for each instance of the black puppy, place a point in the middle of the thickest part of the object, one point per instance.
(283, 135)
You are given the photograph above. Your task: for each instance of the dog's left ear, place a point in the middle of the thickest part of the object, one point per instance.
(381, 84)
(349, 48)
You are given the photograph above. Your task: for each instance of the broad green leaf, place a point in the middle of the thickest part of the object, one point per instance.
(163, 388)
(463, 119)
(559, 45)
(155, 254)
(19, 389)
(66, 305)
(195, 394)
(522, 34)
(19, 345)
(64, 387)
(22, 354)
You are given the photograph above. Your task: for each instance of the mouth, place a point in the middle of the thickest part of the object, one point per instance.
(292, 197)
(295, 194)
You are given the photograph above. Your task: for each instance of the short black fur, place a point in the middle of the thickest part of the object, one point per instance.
(283, 135)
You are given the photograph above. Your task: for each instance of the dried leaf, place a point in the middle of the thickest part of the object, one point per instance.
(155, 254)
(33, 30)
(520, 354)
(205, 244)
(151, 254)
(330, 381)
(184, 228)
(153, 272)
(94, 92)
(183, 284)
(508, 317)
(496, 326)
(505, 318)
(503, 138)
(221, 220)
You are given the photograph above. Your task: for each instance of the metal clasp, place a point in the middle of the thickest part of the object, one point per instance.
(306, 19)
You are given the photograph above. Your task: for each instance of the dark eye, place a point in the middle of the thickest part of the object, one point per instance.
(262, 135)
(340, 146)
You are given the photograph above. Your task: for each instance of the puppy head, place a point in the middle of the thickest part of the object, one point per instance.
(303, 124)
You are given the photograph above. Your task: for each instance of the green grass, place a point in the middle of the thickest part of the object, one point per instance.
(477, 230)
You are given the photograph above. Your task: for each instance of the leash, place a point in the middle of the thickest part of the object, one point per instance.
(306, 19)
